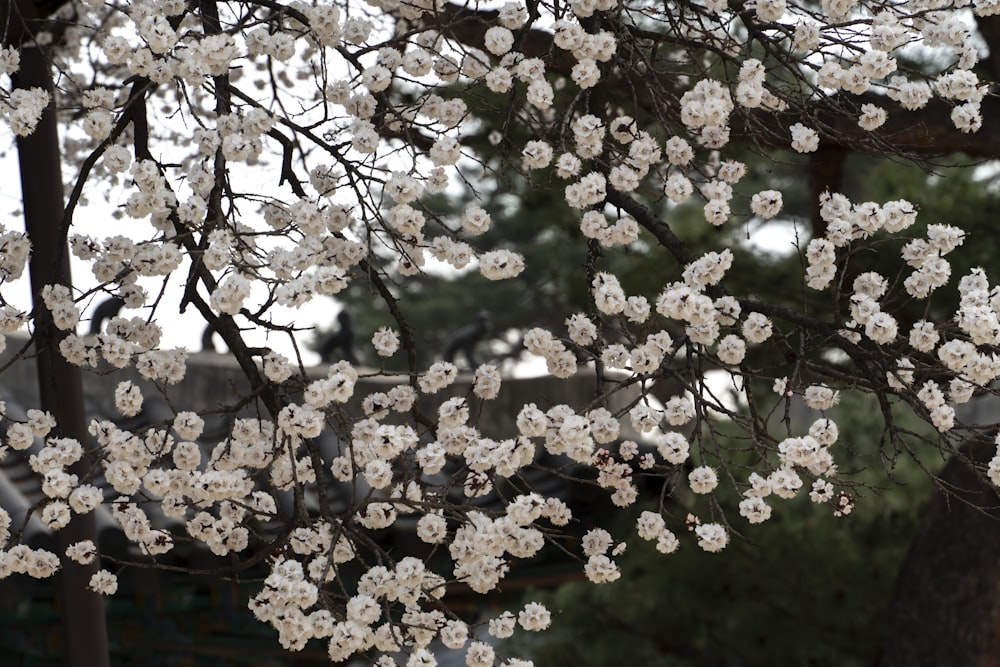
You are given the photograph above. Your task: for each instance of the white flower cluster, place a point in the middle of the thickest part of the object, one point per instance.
(927, 257)
(121, 341)
(804, 139)
(24, 108)
(22, 559)
(712, 537)
(706, 108)
(766, 204)
(59, 301)
(879, 326)
(686, 301)
(846, 223)
(290, 597)
(942, 415)
(595, 225)
(750, 91)
(389, 109)
(651, 526)
(14, 252)
(559, 361)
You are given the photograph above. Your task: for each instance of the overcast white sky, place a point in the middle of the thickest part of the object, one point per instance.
(95, 219)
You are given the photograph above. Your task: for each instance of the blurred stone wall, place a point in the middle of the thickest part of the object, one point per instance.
(215, 381)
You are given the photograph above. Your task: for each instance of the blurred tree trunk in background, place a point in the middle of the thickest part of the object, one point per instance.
(947, 598)
(60, 383)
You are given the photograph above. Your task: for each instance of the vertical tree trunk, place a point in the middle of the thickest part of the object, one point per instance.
(947, 601)
(60, 384)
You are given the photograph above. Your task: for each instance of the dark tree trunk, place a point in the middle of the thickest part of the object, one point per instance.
(60, 384)
(947, 598)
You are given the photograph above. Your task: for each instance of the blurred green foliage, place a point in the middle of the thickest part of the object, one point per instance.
(804, 588)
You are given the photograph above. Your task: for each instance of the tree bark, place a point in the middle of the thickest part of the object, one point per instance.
(60, 383)
(946, 605)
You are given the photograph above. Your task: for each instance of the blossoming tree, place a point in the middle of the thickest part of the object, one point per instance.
(265, 154)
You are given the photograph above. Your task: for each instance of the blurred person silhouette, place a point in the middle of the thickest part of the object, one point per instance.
(105, 311)
(342, 339)
(465, 339)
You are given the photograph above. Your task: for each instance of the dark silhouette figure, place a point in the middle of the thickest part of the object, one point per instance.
(342, 339)
(104, 312)
(207, 339)
(464, 340)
